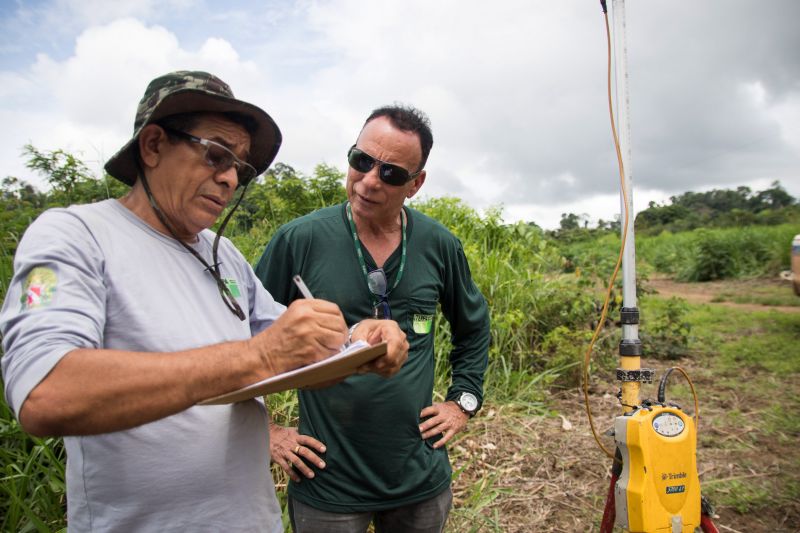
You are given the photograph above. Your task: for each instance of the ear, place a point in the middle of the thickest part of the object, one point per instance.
(416, 184)
(151, 140)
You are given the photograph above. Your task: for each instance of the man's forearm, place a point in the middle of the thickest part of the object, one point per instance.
(94, 391)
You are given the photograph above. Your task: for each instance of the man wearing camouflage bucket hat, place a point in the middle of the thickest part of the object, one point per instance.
(124, 314)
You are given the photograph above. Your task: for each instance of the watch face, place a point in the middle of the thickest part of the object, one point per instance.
(468, 402)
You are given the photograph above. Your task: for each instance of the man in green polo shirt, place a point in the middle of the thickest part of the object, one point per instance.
(369, 448)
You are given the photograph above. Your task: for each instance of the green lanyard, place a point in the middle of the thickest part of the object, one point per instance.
(360, 252)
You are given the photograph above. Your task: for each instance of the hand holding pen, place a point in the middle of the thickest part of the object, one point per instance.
(374, 331)
(307, 294)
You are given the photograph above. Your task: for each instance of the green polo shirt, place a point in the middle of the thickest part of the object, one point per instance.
(376, 458)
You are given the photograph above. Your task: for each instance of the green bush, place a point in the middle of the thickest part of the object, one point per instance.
(562, 351)
(713, 257)
(710, 254)
(665, 334)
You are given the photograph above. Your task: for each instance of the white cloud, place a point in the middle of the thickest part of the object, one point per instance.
(87, 102)
(515, 90)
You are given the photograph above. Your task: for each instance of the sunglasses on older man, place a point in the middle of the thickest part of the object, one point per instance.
(389, 173)
(220, 158)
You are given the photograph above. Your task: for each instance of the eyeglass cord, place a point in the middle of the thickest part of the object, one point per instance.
(213, 268)
(360, 252)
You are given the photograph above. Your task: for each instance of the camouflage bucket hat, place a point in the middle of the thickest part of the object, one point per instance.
(189, 92)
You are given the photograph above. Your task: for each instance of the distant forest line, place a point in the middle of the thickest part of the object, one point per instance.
(717, 208)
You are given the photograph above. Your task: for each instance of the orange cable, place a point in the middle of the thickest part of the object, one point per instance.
(694, 394)
(603, 314)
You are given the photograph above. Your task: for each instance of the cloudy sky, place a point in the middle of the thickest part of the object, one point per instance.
(515, 89)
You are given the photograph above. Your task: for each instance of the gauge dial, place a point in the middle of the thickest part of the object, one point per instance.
(668, 424)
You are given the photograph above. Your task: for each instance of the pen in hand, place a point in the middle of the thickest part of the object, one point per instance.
(307, 294)
(302, 286)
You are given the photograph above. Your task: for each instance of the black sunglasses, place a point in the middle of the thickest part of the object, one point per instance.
(392, 174)
(378, 285)
(219, 157)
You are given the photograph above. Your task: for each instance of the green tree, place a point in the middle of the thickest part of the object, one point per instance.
(569, 221)
(70, 179)
(775, 197)
(720, 208)
(283, 194)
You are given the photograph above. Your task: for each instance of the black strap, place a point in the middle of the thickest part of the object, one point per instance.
(213, 268)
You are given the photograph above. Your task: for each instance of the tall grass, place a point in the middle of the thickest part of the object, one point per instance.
(520, 273)
(709, 254)
(32, 481)
(700, 255)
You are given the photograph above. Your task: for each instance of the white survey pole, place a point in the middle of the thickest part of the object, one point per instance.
(630, 371)
(623, 120)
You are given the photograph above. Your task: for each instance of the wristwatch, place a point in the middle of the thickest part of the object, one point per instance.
(468, 403)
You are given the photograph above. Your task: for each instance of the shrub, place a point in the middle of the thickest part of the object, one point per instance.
(710, 254)
(666, 333)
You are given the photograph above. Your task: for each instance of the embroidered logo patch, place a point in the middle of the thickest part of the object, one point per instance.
(233, 286)
(38, 288)
(423, 323)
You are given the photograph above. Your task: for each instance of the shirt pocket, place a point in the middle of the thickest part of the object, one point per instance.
(420, 319)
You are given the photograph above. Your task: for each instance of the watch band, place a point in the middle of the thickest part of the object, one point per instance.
(350, 332)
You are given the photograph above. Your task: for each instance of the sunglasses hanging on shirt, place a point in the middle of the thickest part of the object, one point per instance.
(378, 285)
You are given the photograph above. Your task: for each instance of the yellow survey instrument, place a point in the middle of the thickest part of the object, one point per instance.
(658, 489)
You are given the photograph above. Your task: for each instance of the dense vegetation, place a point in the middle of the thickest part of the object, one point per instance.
(720, 208)
(704, 236)
(542, 288)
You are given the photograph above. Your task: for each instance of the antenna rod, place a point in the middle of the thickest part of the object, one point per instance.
(630, 348)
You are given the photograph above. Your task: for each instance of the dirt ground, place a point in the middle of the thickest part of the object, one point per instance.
(700, 293)
(547, 473)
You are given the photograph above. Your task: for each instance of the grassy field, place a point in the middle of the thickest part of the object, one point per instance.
(768, 294)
